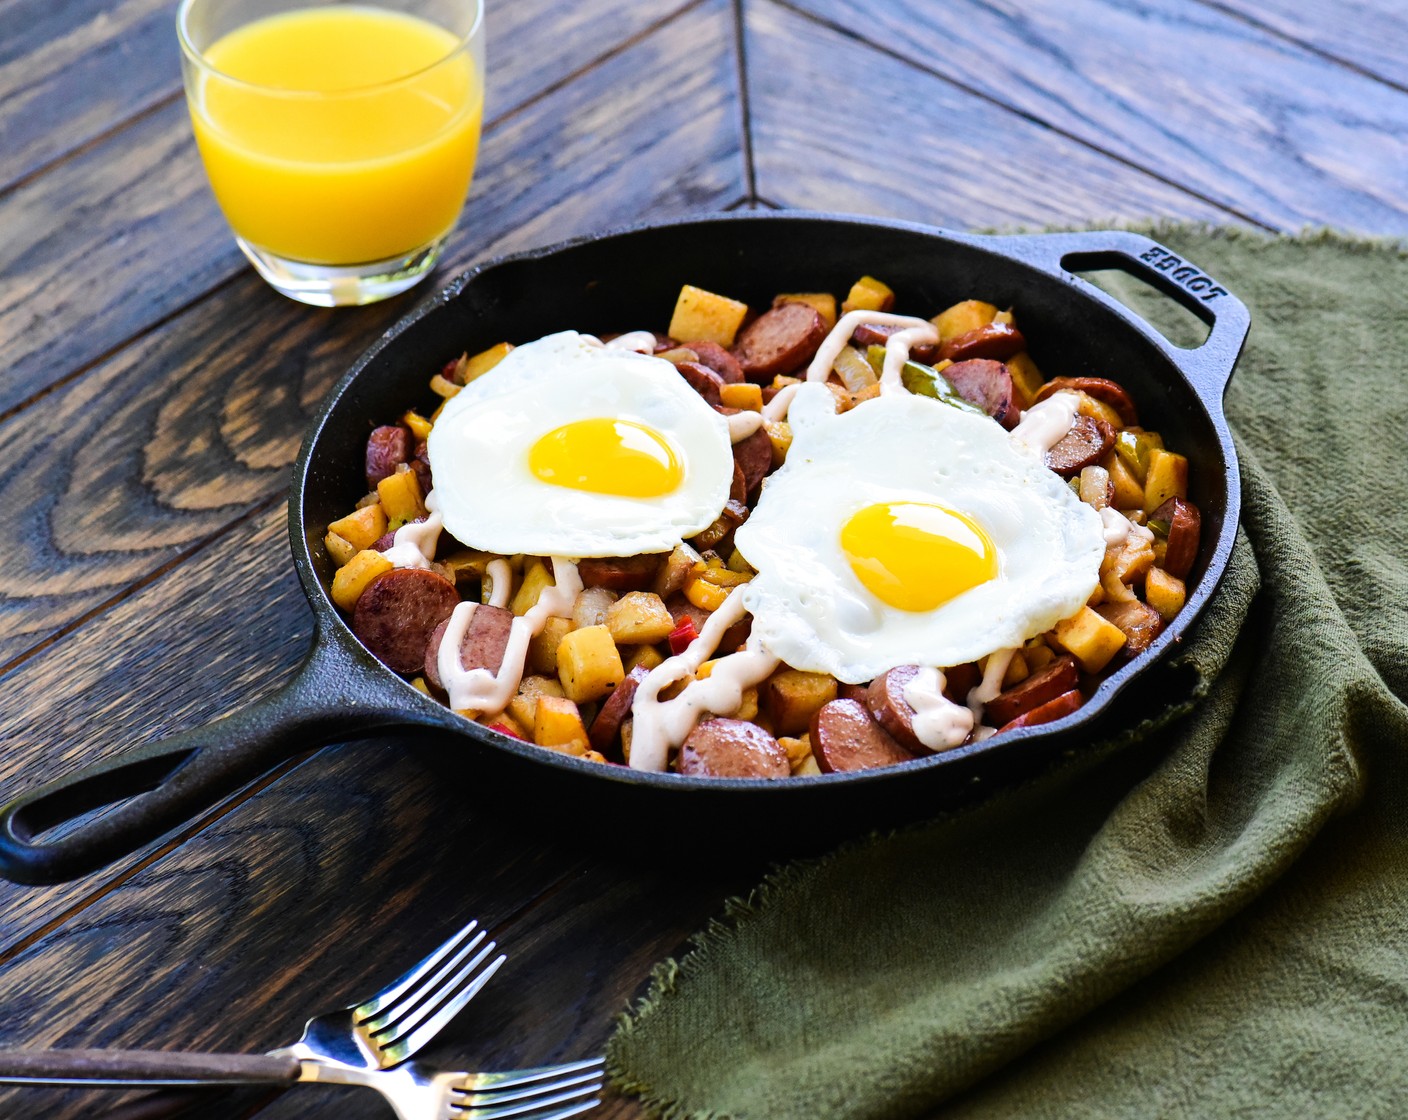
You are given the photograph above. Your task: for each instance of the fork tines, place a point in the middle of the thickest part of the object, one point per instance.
(543, 1093)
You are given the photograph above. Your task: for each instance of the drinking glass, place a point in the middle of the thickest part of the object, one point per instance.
(339, 138)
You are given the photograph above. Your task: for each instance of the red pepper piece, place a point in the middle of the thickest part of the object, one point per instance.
(682, 635)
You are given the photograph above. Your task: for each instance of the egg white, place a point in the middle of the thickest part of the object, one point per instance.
(479, 447)
(811, 610)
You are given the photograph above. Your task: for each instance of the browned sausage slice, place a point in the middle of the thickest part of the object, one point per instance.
(1059, 677)
(621, 573)
(995, 340)
(702, 380)
(960, 680)
(1185, 526)
(387, 448)
(482, 647)
(754, 457)
(738, 488)
(614, 710)
(1139, 621)
(1063, 705)
(718, 359)
(1102, 389)
(885, 699)
(844, 737)
(397, 612)
(987, 384)
(874, 334)
(846, 691)
(778, 341)
(732, 748)
(1085, 444)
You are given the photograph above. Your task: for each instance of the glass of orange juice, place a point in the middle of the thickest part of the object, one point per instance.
(339, 138)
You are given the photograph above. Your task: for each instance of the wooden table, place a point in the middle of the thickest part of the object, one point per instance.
(153, 393)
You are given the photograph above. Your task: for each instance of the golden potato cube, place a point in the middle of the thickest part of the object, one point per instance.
(823, 303)
(589, 664)
(968, 315)
(706, 670)
(1164, 592)
(648, 656)
(798, 748)
(418, 683)
(639, 617)
(1090, 639)
(363, 528)
(743, 394)
(401, 497)
(706, 316)
(792, 696)
(1038, 655)
(484, 361)
(504, 720)
(1097, 409)
(705, 594)
(1026, 378)
(419, 425)
(558, 724)
(1167, 478)
(339, 548)
(747, 707)
(524, 705)
(1006, 318)
(868, 294)
(352, 578)
(594, 756)
(1017, 670)
(537, 577)
(1135, 560)
(1129, 491)
(591, 607)
(780, 436)
(807, 768)
(542, 648)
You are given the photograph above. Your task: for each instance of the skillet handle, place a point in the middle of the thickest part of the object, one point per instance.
(1208, 366)
(164, 784)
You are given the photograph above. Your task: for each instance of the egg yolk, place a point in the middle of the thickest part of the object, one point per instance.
(917, 556)
(607, 456)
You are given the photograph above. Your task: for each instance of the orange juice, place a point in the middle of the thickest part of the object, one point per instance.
(339, 135)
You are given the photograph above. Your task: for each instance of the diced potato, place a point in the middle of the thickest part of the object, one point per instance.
(1135, 560)
(678, 570)
(704, 594)
(648, 656)
(853, 369)
(488, 719)
(1090, 639)
(339, 548)
(868, 294)
(401, 497)
(558, 724)
(418, 683)
(963, 317)
(594, 756)
(1129, 491)
(792, 697)
(736, 563)
(485, 360)
(1038, 655)
(352, 578)
(1006, 318)
(524, 705)
(627, 732)
(1017, 670)
(1165, 593)
(1097, 409)
(542, 648)
(1026, 378)
(824, 303)
(707, 316)
(798, 748)
(748, 706)
(706, 670)
(1167, 478)
(363, 528)
(589, 664)
(780, 436)
(419, 425)
(443, 387)
(537, 577)
(742, 394)
(1095, 488)
(639, 617)
(807, 768)
(592, 606)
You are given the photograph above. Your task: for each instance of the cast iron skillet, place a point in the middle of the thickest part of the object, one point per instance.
(622, 281)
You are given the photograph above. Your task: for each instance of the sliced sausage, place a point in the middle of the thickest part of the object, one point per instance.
(398, 611)
(702, 380)
(754, 457)
(482, 647)
(960, 680)
(614, 710)
(844, 738)
(732, 748)
(621, 573)
(1063, 705)
(387, 448)
(1084, 445)
(1060, 676)
(1140, 623)
(874, 334)
(885, 699)
(987, 384)
(718, 359)
(778, 341)
(1100, 388)
(846, 691)
(995, 340)
(664, 342)
(1185, 526)
(738, 488)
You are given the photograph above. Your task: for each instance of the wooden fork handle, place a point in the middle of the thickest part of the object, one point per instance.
(127, 1068)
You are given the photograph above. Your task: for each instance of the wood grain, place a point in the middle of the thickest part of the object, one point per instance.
(876, 135)
(1208, 101)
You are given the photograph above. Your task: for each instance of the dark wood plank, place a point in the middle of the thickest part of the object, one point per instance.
(136, 463)
(1197, 97)
(876, 135)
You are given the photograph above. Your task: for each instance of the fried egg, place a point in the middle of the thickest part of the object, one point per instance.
(569, 448)
(908, 532)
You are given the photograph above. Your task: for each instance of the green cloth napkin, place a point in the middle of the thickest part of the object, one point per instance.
(1210, 921)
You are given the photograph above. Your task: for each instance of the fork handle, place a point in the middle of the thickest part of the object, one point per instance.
(129, 1068)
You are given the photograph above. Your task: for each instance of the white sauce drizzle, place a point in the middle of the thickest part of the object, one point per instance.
(741, 425)
(987, 689)
(1044, 425)
(938, 723)
(500, 582)
(776, 409)
(642, 342)
(660, 725)
(918, 330)
(897, 353)
(480, 690)
(1119, 528)
(415, 541)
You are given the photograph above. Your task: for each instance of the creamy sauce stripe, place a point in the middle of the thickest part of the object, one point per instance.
(938, 723)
